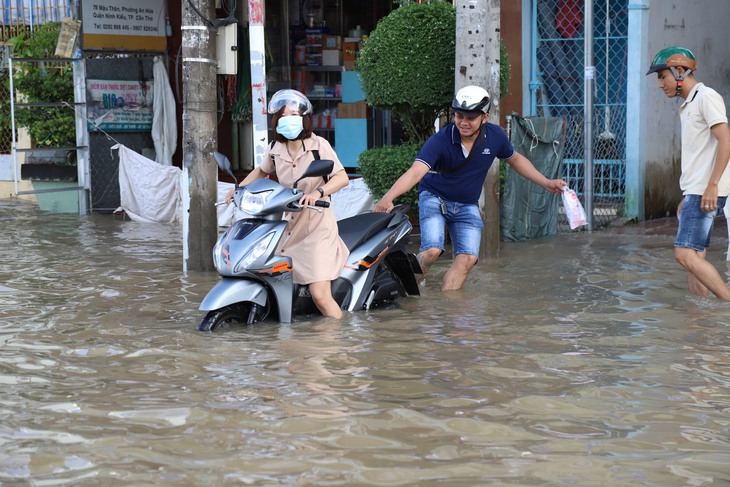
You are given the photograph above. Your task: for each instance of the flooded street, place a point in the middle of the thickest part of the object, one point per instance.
(578, 360)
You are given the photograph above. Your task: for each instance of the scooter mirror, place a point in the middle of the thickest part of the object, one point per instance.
(225, 165)
(319, 167)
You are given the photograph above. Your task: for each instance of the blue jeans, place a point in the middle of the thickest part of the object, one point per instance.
(695, 225)
(464, 222)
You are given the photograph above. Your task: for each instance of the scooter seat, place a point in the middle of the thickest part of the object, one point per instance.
(356, 229)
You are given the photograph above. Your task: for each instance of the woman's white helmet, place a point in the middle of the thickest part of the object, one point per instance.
(471, 99)
(292, 98)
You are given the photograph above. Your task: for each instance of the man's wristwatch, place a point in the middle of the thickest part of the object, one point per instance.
(321, 192)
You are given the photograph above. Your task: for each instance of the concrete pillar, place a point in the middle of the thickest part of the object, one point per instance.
(200, 172)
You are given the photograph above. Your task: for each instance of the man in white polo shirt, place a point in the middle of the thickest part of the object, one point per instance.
(704, 181)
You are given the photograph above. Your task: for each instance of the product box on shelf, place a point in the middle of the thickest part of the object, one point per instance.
(349, 51)
(332, 42)
(314, 39)
(314, 36)
(331, 57)
(313, 60)
(317, 90)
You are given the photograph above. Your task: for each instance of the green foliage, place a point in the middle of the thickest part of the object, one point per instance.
(382, 166)
(503, 174)
(504, 70)
(410, 71)
(44, 81)
(407, 65)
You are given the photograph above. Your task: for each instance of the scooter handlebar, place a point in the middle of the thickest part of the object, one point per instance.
(316, 206)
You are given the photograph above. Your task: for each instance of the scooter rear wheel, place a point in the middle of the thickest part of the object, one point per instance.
(232, 315)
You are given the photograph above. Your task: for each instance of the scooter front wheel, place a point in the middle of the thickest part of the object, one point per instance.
(231, 315)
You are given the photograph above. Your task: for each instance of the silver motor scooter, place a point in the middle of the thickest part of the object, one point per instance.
(257, 283)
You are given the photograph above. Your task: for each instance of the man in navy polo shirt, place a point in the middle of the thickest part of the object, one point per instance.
(451, 168)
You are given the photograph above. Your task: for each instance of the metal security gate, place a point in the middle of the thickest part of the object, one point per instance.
(6, 135)
(556, 89)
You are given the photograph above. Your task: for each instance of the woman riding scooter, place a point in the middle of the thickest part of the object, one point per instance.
(312, 241)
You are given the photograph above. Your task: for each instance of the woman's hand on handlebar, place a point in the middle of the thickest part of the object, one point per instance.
(309, 199)
(229, 196)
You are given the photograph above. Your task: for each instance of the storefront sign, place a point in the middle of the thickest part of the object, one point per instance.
(127, 25)
(119, 105)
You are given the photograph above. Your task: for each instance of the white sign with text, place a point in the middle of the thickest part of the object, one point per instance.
(130, 17)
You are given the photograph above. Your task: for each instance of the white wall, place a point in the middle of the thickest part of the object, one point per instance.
(702, 27)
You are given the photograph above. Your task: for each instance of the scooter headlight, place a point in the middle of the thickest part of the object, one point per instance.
(258, 249)
(252, 203)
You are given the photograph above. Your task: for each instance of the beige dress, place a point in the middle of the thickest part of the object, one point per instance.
(311, 240)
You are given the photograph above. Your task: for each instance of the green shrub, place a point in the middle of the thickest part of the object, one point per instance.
(44, 81)
(407, 65)
(382, 166)
(410, 71)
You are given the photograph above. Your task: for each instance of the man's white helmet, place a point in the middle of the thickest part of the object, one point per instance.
(471, 99)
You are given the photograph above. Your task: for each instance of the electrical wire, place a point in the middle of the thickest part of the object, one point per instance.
(200, 14)
(177, 74)
(214, 24)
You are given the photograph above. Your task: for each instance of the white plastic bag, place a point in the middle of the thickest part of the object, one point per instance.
(573, 209)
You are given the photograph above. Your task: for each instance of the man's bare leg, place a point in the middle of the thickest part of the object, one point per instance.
(702, 276)
(694, 285)
(427, 257)
(456, 274)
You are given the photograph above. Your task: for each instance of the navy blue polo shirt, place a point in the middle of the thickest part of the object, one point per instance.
(443, 151)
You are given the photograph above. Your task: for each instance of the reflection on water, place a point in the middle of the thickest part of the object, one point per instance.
(576, 360)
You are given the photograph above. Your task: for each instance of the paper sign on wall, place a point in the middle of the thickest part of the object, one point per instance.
(119, 105)
(131, 24)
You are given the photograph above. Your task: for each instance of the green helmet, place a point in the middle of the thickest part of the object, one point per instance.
(672, 57)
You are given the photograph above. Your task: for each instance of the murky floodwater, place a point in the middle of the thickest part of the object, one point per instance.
(576, 361)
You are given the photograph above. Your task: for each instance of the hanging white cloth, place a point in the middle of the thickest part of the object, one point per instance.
(164, 124)
(226, 213)
(149, 192)
(353, 199)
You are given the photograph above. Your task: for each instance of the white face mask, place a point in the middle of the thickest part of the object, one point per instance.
(290, 127)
